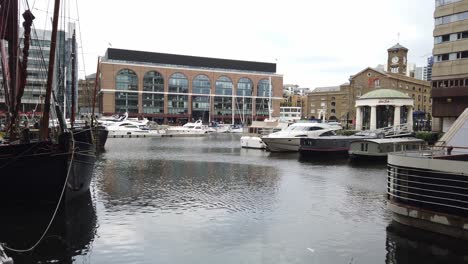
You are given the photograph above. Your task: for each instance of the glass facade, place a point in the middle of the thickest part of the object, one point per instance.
(178, 102)
(127, 101)
(445, 2)
(153, 103)
(263, 91)
(244, 105)
(223, 98)
(451, 18)
(201, 104)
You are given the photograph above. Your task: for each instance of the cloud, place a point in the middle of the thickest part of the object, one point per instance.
(316, 43)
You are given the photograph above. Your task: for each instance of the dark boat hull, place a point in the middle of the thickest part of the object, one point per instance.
(33, 171)
(82, 166)
(330, 145)
(37, 171)
(101, 137)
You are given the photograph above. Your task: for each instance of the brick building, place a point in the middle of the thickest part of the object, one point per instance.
(176, 88)
(339, 101)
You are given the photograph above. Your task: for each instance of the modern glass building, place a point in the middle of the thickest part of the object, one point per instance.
(170, 88)
(38, 61)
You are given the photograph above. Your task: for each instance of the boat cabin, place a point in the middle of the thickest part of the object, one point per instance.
(380, 147)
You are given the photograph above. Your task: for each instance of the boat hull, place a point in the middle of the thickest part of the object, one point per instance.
(82, 165)
(276, 144)
(37, 171)
(33, 171)
(428, 192)
(252, 142)
(101, 137)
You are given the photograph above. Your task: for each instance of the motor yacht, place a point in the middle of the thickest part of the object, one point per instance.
(189, 129)
(288, 139)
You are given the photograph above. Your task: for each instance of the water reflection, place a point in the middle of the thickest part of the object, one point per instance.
(186, 185)
(70, 235)
(410, 245)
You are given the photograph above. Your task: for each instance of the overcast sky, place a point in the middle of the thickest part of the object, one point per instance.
(314, 43)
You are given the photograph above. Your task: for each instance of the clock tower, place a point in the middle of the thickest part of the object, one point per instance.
(397, 59)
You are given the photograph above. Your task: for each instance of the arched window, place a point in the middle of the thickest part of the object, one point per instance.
(201, 84)
(263, 97)
(244, 98)
(153, 102)
(223, 98)
(126, 81)
(178, 103)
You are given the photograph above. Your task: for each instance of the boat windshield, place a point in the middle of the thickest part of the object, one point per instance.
(303, 128)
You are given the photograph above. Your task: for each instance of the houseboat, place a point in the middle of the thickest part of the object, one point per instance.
(378, 148)
(333, 145)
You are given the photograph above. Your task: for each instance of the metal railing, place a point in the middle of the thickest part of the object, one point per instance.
(439, 191)
(394, 131)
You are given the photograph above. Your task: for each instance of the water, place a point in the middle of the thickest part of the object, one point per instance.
(205, 200)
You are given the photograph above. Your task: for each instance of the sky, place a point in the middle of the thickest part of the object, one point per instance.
(315, 43)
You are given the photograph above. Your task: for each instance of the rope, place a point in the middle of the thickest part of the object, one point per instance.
(56, 208)
(18, 156)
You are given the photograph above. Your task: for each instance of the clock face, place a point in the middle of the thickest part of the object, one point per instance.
(395, 59)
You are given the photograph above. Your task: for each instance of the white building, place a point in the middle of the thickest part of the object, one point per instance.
(290, 113)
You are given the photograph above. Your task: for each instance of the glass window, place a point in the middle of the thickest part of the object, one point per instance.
(201, 84)
(263, 91)
(451, 18)
(243, 103)
(178, 86)
(153, 102)
(223, 100)
(126, 80)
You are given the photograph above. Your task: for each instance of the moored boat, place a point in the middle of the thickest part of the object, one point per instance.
(289, 138)
(57, 164)
(330, 145)
(252, 142)
(428, 189)
(189, 129)
(378, 148)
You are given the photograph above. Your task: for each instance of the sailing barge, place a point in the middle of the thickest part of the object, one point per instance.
(59, 163)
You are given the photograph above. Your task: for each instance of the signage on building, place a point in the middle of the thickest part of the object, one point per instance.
(384, 101)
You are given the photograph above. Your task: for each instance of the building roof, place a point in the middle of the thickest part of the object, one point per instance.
(397, 76)
(397, 47)
(190, 61)
(91, 76)
(385, 94)
(326, 89)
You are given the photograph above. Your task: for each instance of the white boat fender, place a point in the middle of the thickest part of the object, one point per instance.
(4, 259)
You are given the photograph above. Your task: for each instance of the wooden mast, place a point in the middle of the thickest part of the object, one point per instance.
(96, 80)
(50, 73)
(13, 61)
(73, 85)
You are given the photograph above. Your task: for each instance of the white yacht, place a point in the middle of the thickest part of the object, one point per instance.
(120, 119)
(189, 129)
(131, 129)
(289, 138)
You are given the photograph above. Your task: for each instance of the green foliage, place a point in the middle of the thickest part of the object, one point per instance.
(430, 137)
